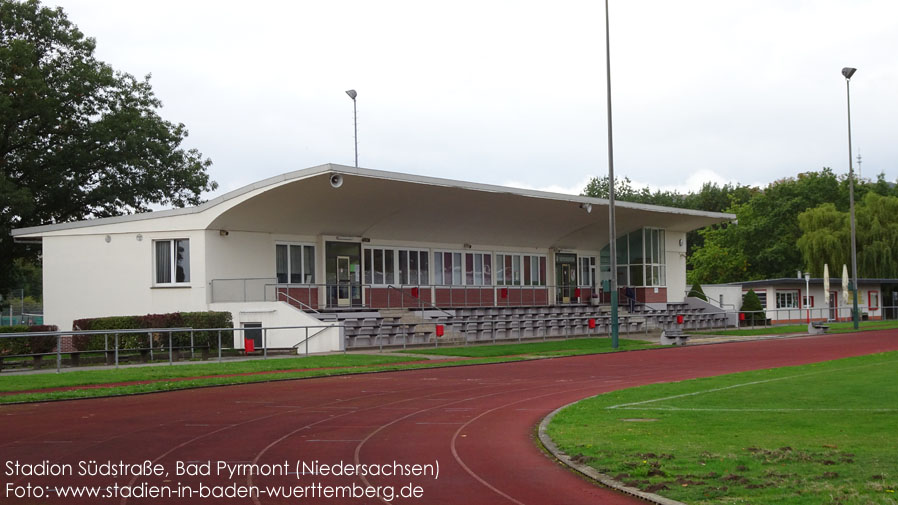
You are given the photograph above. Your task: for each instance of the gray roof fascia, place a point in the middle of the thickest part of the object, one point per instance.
(363, 172)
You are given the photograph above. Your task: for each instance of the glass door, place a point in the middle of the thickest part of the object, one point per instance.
(344, 278)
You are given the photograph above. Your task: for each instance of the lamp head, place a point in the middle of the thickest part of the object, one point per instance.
(352, 94)
(848, 72)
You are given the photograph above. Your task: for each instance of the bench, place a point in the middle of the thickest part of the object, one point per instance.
(817, 328)
(673, 336)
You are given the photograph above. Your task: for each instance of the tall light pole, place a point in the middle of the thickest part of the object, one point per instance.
(612, 232)
(807, 294)
(355, 125)
(847, 72)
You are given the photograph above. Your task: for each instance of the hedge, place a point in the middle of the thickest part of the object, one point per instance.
(160, 339)
(38, 344)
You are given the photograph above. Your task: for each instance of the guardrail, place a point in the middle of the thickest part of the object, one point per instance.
(113, 348)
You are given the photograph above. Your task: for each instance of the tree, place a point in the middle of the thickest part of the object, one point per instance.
(77, 138)
(825, 238)
(717, 262)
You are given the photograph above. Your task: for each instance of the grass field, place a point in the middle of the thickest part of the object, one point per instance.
(93, 383)
(803, 328)
(569, 347)
(813, 434)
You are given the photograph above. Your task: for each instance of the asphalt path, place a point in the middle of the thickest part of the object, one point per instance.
(475, 423)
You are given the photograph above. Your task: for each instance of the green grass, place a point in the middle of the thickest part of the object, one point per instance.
(338, 364)
(847, 327)
(820, 433)
(570, 347)
(22, 382)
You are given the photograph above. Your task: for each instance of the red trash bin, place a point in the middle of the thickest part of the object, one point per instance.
(249, 345)
(679, 318)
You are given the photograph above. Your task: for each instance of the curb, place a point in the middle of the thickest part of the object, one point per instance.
(591, 472)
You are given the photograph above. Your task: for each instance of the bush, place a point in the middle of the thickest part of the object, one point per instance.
(751, 305)
(38, 344)
(696, 292)
(150, 321)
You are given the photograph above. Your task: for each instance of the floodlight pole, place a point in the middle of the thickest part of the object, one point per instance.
(355, 125)
(612, 232)
(847, 72)
(807, 294)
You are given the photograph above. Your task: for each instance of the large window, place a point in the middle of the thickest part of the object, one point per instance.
(462, 268)
(387, 266)
(787, 299)
(172, 263)
(640, 259)
(520, 269)
(295, 263)
(587, 271)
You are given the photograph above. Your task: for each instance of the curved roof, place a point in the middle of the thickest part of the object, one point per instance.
(395, 206)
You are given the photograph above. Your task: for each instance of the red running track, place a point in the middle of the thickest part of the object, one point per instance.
(477, 422)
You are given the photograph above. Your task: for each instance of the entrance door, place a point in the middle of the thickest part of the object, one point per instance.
(254, 334)
(344, 278)
(566, 283)
(833, 305)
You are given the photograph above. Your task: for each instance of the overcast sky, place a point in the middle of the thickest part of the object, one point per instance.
(513, 92)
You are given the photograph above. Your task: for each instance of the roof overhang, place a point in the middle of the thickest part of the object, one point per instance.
(401, 207)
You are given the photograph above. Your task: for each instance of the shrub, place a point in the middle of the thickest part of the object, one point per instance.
(751, 305)
(38, 344)
(696, 292)
(140, 340)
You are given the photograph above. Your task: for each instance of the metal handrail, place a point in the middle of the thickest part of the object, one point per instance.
(301, 304)
(421, 302)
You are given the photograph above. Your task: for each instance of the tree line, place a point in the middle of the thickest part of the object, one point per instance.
(795, 223)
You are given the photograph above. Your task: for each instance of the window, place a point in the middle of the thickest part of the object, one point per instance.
(172, 261)
(520, 270)
(640, 259)
(469, 268)
(587, 271)
(872, 300)
(295, 263)
(787, 299)
(394, 266)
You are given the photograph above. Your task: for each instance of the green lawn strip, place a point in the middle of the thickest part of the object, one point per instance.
(568, 347)
(240, 379)
(22, 382)
(846, 327)
(820, 433)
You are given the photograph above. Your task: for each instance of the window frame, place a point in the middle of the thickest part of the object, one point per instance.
(795, 295)
(302, 262)
(173, 262)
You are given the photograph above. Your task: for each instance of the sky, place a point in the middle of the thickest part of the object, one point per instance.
(513, 92)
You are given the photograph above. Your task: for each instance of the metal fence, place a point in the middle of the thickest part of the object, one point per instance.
(159, 342)
(355, 295)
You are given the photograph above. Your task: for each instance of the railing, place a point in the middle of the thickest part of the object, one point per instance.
(177, 340)
(317, 296)
(712, 301)
(420, 304)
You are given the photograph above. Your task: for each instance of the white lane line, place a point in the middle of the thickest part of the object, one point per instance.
(695, 393)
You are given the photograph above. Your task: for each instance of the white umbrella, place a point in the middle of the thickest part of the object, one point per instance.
(845, 292)
(826, 287)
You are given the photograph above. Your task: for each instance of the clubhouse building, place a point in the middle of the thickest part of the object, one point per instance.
(338, 238)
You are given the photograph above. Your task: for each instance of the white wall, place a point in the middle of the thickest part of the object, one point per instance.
(281, 314)
(675, 256)
(85, 276)
(732, 295)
